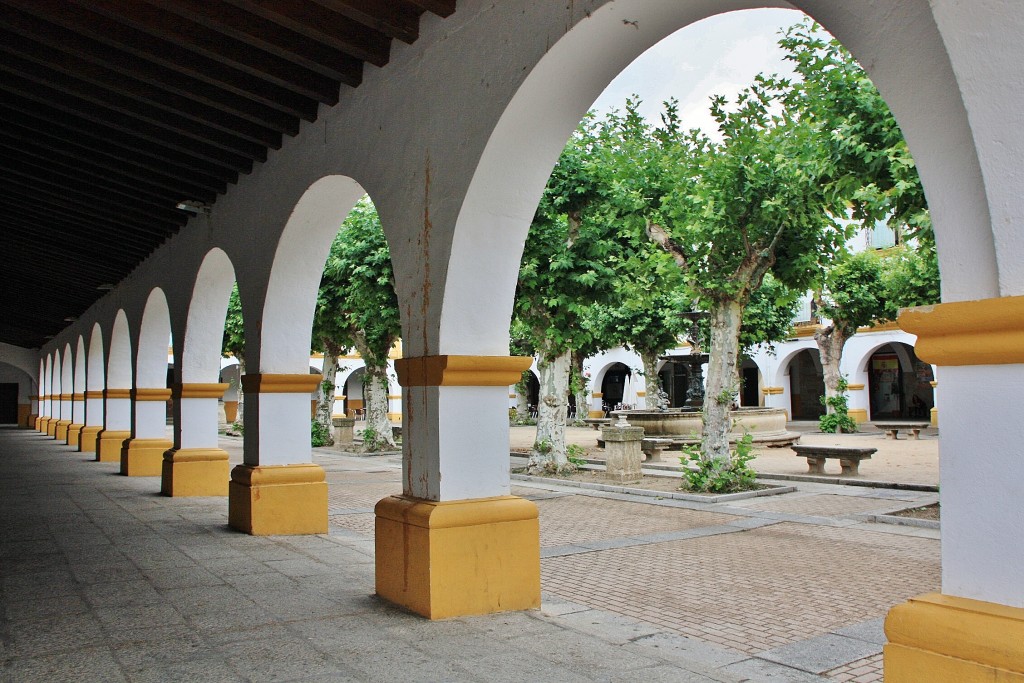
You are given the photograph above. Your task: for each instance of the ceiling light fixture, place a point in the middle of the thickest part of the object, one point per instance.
(194, 206)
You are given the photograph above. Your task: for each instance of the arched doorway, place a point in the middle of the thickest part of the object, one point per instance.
(806, 386)
(899, 384)
(614, 384)
(750, 384)
(354, 406)
(675, 380)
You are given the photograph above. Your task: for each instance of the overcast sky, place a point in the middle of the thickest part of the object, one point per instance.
(720, 55)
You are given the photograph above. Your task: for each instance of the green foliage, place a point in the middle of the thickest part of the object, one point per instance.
(237, 427)
(373, 441)
(319, 434)
(911, 278)
(706, 475)
(234, 329)
(853, 291)
(576, 455)
(356, 304)
(839, 419)
(871, 171)
(768, 316)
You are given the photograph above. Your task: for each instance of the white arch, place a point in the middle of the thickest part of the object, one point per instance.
(94, 376)
(119, 362)
(67, 374)
(295, 276)
(898, 43)
(154, 332)
(78, 381)
(204, 328)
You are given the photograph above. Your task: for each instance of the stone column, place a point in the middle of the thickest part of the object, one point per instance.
(278, 489)
(196, 465)
(33, 414)
(93, 421)
(77, 419)
(117, 424)
(455, 542)
(344, 430)
(934, 413)
(622, 452)
(142, 455)
(973, 630)
(61, 429)
(858, 402)
(596, 409)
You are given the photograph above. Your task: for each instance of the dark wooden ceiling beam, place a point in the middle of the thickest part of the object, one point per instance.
(393, 19)
(145, 212)
(310, 21)
(244, 138)
(20, 91)
(442, 8)
(102, 220)
(337, 49)
(56, 129)
(102, 86)
(15, 141)
(246, 57)
(141, 45)
(78, 249)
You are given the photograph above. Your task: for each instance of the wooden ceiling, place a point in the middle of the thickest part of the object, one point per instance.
(114, 111)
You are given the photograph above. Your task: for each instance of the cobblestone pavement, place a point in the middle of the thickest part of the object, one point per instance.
(103, 579)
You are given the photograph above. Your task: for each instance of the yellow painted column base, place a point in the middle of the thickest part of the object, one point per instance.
(74, 434)
(935, 417)
(40, 423)
(61, 431)
(109, 443)
(144, 457)
(596, 413)
(87, 439)
(946, 639)
(859, 415)
(195, 472)
(51, 427)
(458, 558)
(278, 499)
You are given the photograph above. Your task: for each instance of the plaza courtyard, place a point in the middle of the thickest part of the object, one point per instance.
(103, 579)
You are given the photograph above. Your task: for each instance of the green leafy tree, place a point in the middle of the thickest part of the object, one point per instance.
(234, 343)
(729, 212)
(357, 308)
(569, 263)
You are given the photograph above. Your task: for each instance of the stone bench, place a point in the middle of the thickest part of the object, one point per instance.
(849, 458)
(653, 448)
(597, 422)
(892, 429)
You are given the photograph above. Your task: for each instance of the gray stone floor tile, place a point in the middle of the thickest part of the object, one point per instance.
(606, 626)
(761, 671)
(676, 648)
(92, 664)
(44, 608)
(278, 659)
(134, 617)
(59, 634)
(872, 631)
(818, 655)
(122, 594)
(205, 669)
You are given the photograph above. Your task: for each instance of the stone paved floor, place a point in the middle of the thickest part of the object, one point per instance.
(103, 579)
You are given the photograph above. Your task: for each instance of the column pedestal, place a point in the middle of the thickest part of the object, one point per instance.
(51, 426)
(60, 432)
(278, 499)
(460, 557)
(947, 639)
(74, 434)
(195, 472)
(143, 457)
(87, 438)
(109, 444)
(622, 453)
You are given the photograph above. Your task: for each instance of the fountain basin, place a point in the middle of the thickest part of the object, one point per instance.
(765, 425)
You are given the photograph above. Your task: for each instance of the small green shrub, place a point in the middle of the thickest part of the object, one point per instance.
(839, 419)
(713, 476)
(318, 434)
(575, 454)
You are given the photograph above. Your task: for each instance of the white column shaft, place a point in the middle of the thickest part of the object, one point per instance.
(197, 423)
(150, 420)
(277, 429)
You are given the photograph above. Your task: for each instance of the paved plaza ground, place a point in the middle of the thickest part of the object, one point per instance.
(103, 579)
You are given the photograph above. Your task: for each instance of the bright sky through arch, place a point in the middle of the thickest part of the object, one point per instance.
(717, 56)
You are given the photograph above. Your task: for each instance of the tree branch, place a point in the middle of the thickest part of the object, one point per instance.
(659, 235)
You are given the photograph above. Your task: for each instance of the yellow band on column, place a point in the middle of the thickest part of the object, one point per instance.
(150, 394)
(937, 637)
(94, 394)
(772, 391)
(265, 383)
(470, 371)
(77, 397)
(855, 387)
(117, 393)
(194, 390)
(982, 332)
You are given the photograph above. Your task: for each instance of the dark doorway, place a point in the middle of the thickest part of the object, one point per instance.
(807, 386)
(675, 380)
(613, 387)
(749, 391)
(9, 403)
(899, 384)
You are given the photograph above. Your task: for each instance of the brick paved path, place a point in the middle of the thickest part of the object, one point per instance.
(776, 577)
